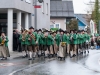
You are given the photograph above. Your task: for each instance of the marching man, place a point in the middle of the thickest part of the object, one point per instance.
(31, 38)
(4, 51)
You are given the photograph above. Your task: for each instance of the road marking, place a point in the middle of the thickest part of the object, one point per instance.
(23, 68)
(6, 64)
(2, 65)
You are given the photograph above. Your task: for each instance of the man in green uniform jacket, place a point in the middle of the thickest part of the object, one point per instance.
(55, 48)
(47, 41)
(87, 42)
(31, 38)
(73, 43)
(4, 46)
(24, 42)
(6, 41)
(57, 37)
(60, 39)
(79, 39)
(68, 42)
(84, 41)
(40, 42)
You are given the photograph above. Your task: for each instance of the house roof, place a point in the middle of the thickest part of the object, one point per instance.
(61, 8)
(82, 18)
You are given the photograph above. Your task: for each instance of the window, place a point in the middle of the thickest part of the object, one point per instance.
(51, 26)
(47, 8)
(57, 25)
(43, 7)
(4, 16)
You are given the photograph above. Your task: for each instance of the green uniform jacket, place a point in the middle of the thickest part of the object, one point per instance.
(87, 37)
(67, 39)
(6, 42)
(75, 39)
(58, 39)
(64, 38)
(78, 38)
(35, 34)
(47, 40)
(52, 42)
(40, 39)
(32, 42)
(81, 38)
(23, 42)
(84, 38)
(96, 34)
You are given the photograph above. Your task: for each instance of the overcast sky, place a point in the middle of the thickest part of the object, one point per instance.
(80, 6)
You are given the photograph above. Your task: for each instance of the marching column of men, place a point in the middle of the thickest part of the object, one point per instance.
(49, 44)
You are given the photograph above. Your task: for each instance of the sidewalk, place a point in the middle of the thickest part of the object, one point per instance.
(15, 55)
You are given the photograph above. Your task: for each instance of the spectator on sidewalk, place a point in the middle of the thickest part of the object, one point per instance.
(15, 40)
(18, 33)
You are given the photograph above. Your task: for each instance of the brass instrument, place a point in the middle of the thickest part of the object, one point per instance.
(32, 36)
(24, 34)
(3, 41)
(63, 44)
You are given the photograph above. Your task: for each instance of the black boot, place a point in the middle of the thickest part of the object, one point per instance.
(30, 59)
(85, 52)
(88, 51)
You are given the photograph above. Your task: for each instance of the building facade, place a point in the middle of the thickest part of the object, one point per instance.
(15, 14)
(61, 11)
(42, 16)
(83, 21)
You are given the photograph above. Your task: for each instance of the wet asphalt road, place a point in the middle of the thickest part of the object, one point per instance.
(11, 65)
(88, 64)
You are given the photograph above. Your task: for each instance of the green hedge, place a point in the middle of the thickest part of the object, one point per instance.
(54, 29)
